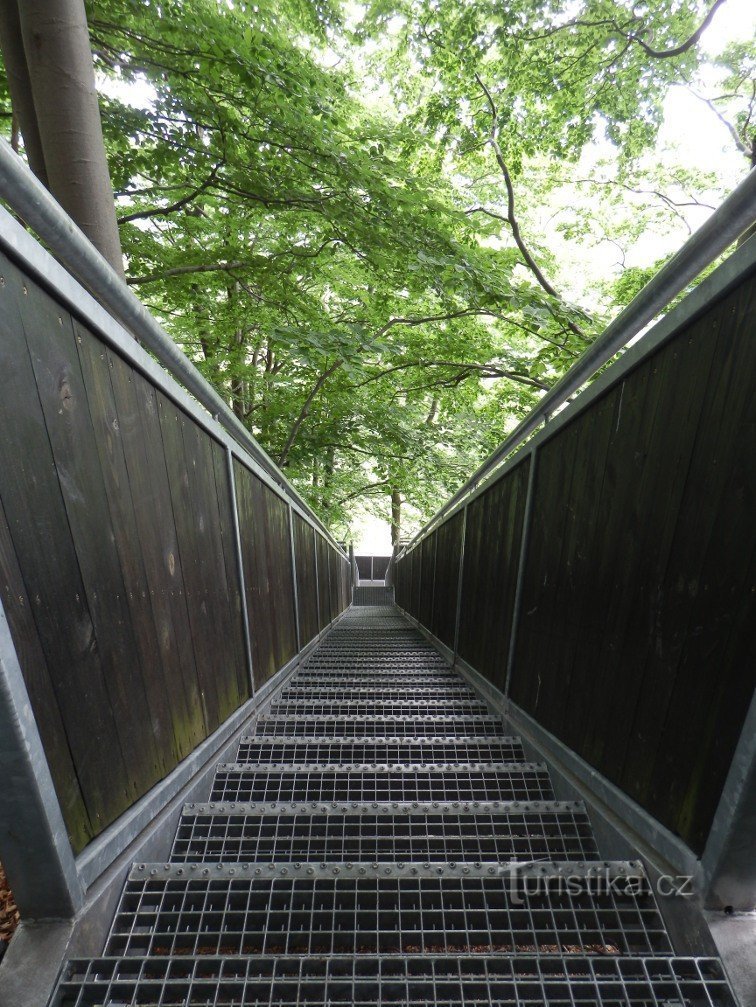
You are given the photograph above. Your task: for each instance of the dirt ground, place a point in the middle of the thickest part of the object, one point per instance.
(8, 912)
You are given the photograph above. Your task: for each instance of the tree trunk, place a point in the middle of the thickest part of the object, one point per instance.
(19, 86)
(60, 70)
(396, 516)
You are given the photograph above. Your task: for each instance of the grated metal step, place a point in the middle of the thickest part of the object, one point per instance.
(297, 751)
(420, 980)
(513, 781)
(367, 832)
(378, 727)
(385, 908)
(370, 680)
(378, 707)
(380, 840)
(296, 693)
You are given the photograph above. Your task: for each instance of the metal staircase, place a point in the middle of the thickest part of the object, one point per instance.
(380, 840)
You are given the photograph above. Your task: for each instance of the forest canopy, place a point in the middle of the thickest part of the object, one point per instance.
(382, 230)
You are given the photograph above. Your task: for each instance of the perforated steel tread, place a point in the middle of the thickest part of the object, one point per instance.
(296, 751)
(373, 680)
(384, 708)
(378, 727)
(383, 694)
(521, 781)
(420, 980)
(416, 832)
(385, 908)
(385, 874)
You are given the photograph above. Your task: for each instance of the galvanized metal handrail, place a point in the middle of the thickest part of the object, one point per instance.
(728, 222)
(31, 201)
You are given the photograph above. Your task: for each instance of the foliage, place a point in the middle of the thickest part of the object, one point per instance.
(358, 266)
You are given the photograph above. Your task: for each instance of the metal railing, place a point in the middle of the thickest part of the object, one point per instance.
(728, 222)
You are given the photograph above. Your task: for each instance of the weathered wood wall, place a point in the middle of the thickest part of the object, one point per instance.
(372, 567)
(118, 563)
(635, 641)
(307, 593)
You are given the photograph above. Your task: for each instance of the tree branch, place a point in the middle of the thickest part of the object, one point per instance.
(185, 270)
(305, 411)
(510, 217)
(367, 488)
(677, 50)
(487, 370)
(163, 210)
(739, 143)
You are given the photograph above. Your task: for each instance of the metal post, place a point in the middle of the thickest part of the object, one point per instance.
(294, 578)
(517, 604)
(240, 569)
(728, 862)
(351, 572)
(458, 611)
(34, 845)
(372, 569)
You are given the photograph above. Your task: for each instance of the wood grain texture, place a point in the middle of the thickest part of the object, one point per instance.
(266, 552)
(304, 550)
(637, 630)
(492, 551)
(444, 612)
(636, 641)
(324, 577)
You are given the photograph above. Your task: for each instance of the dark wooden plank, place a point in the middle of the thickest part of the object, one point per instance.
(722, 703)
(33, 503)
(539, 631)
(64, 402)
(428, 579)
(364, 566)
(258, 600)
(44, 703)
(574, 679)
(333, 581)
(268, 573)
(102, 408)
(657, 613)
(399, 580)
(190, 550)
(590, 579)
(226, 634)
(324, 594)
(492, 550)
(144, 454)
(708, 569)
(446, 578)
(304, 548)
(506, 520)
(280, 575)
(417, 580)
(228, 538)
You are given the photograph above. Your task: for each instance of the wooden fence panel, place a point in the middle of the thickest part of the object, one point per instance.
(324, 590)
(448, 547)
(138, 429)
(634, 644)
(334, 582)
(493, 536)
(266, 549)
(304, 550)
(118, 562)
(428, 577)
(90, 518)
